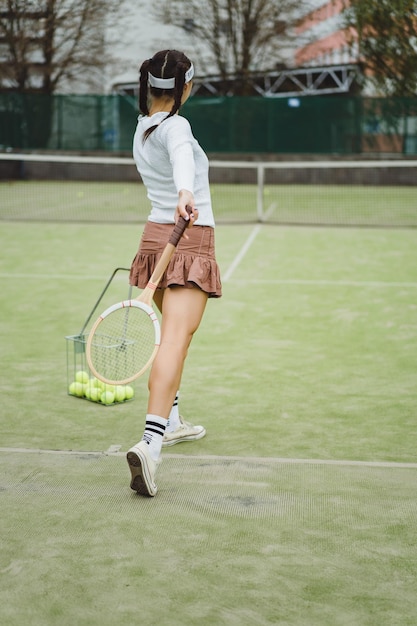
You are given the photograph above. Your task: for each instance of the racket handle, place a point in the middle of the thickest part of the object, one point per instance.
(180, 227)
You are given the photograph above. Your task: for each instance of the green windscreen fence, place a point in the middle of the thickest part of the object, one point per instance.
(301, 125)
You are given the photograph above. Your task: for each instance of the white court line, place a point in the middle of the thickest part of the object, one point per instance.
(270, 210)
(238, 258)
(114, 450)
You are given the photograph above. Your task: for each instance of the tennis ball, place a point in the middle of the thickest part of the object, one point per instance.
(76, 389)
(107, 397)
(129, 392)
(95, 394)
(91, 392)
(87, 390)
(98, 383)
(82, 377)
(107, 387)
(119, 393)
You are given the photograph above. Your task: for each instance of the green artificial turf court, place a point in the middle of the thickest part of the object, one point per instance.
(236, 541)
(298, 507)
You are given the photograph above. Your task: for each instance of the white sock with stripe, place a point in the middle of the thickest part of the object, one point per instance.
(174, 416)
(153, 434)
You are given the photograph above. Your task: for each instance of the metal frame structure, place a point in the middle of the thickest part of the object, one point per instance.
(309, 81)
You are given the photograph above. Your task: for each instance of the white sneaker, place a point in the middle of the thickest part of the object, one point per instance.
(143, 469)
(184, 432)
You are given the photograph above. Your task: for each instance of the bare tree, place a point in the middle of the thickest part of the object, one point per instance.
(45, 44)
(235, 37)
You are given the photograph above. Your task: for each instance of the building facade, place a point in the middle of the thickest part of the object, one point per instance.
(325, 39)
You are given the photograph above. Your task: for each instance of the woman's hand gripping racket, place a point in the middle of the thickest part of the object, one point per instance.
(124, 340)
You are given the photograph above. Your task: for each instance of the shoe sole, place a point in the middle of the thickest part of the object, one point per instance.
(141, 477)
(173, 442)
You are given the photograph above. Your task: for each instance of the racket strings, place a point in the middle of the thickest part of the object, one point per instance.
(123, 343)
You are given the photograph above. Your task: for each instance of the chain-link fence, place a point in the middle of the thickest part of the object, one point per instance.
(302, 125)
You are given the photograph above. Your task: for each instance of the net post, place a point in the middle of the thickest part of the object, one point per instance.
(260, 192)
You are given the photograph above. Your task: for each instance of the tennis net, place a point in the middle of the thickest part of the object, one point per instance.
(51, 187)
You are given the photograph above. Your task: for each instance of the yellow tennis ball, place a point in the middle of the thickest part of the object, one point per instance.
(87, 390)
(95, 394)
(98, 383)
(82, 377)
(107, 397)
(76, 389)
(129, 392)
(119, 393)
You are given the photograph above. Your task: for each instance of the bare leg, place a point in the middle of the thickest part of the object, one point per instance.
(182, 313)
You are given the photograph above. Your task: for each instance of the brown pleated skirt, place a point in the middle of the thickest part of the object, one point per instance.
(193, 264)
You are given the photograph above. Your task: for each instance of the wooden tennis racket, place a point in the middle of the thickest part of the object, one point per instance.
(124, 340)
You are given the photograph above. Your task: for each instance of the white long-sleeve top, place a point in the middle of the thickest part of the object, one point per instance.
(169, 160)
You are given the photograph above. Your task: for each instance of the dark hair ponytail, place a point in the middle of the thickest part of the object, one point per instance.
(164, 64)
(143, 87)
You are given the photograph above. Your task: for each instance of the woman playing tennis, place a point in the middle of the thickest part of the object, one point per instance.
(174, 169)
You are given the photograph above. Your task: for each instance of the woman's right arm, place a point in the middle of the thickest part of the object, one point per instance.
(180, 150)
